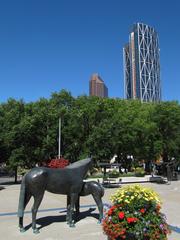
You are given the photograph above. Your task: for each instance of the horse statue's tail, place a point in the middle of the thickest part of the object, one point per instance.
(21, 198)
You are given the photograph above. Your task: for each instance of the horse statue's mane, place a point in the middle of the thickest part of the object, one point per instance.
(79, 163)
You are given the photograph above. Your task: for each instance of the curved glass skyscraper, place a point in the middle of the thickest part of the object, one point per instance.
(142, 65)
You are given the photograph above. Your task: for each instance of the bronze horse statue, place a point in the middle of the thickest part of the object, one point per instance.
(67, 181)
(96, 190)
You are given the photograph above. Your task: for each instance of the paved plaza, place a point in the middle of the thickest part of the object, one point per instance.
(51, 215)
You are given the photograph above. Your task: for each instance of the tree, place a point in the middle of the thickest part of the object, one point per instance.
(12, 113)
(100, 127)
(167, 118)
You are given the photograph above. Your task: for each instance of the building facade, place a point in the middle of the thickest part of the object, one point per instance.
(97, 86)
(142, 64)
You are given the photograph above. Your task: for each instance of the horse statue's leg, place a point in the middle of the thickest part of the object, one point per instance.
(68, 208)
(77, 205)
(74, 198)
(98, 200)
(26, 200)
(37, 201)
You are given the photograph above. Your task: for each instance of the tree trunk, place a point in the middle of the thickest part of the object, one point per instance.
(15, 176)
(165, 156)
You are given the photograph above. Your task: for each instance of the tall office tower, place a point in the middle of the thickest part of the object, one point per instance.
(141, 64)
(97, 86)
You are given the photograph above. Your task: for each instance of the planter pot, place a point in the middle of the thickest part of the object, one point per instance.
(129, 236)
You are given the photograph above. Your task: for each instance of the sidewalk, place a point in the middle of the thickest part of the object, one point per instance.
(51, 217)
(129, 180)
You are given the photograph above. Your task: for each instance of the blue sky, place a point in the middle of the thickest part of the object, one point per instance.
(49, 45)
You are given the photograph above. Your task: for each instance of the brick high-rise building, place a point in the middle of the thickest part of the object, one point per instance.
(97, 87)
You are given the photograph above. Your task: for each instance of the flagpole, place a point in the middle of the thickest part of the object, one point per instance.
(59, 147)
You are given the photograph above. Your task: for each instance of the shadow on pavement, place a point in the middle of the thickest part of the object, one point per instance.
(46, 221)
(87, 213)
(157, 179)
(175, 228)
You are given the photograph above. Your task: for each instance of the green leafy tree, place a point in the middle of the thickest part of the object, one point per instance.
(100, 127)
(12, 113)
(167, 118)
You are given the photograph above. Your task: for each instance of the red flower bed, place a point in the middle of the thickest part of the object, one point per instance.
(58, 163)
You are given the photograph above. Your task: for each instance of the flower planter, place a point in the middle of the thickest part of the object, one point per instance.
(135, 215)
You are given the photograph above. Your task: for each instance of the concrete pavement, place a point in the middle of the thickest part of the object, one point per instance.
(51, 217)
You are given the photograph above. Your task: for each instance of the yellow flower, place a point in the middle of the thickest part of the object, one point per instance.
(129, 193)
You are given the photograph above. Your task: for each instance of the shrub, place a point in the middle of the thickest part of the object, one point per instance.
(113, 174)
(58, 163)
(139, 172)
(22, 171)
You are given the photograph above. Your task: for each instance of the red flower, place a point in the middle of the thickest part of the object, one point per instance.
(113, 207)
(121, 215)
(131, 220)
(58, 163)
(142, 210)
(110, 212)
(122, 232)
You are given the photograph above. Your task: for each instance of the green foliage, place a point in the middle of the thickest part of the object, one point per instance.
(91, 126)
(139, 172)
(22, 171)
(113, 174)
(129, 174)
(167, 119)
